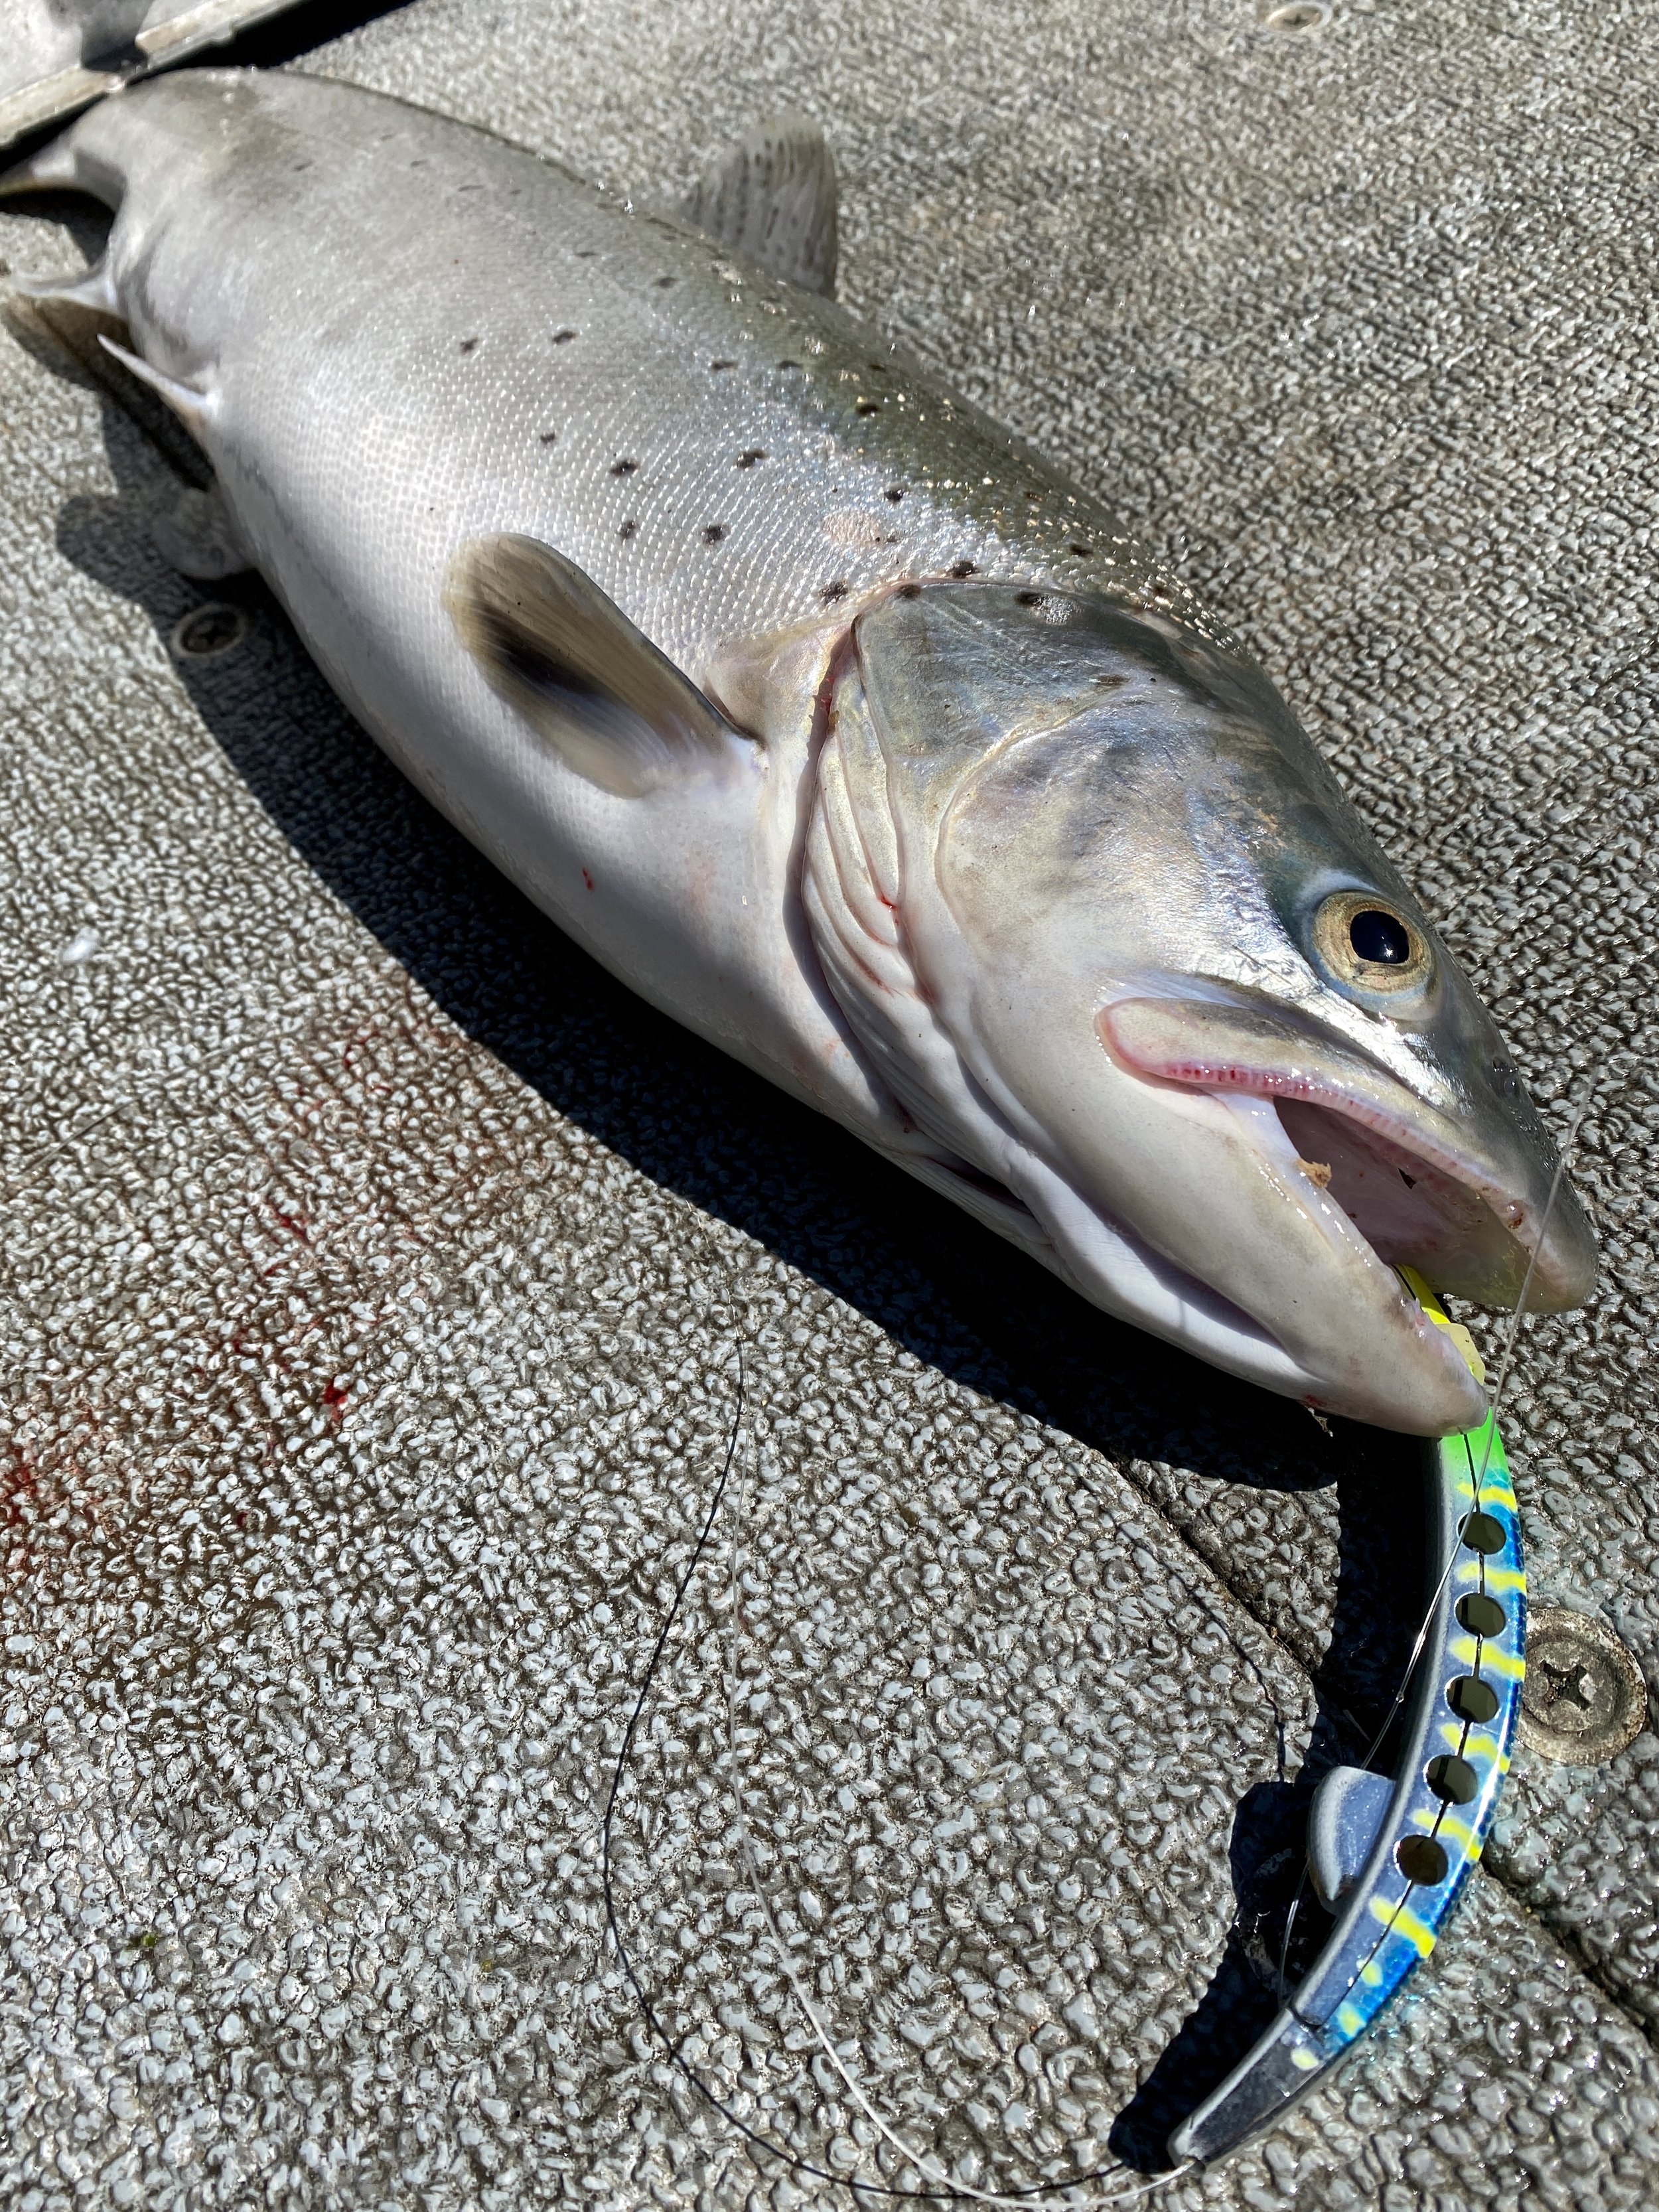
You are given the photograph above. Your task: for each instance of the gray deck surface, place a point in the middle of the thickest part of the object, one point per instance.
(373, 1266)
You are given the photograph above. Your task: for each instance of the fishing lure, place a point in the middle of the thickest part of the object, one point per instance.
(1390, 1856)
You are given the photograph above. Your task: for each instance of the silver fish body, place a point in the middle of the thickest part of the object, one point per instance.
(836, 723)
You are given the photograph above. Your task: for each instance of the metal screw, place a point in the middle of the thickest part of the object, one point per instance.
(1298, 17)
(207, 631)
(1584, 1700)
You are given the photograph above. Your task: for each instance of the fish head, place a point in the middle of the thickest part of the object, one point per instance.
(1200, 1027)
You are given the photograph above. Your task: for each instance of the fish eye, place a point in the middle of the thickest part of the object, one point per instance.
(1365, 943)
(1374, 935)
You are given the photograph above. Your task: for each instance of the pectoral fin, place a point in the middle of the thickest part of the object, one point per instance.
(550, 642)
(772, 197)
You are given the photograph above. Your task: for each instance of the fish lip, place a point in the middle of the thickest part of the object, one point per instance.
(1392, 1111)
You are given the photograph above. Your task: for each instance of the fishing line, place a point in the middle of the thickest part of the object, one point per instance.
(1506, 1359)
(1040, 2196)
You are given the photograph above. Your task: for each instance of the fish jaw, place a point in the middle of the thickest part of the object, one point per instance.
(1421, 1189)
(1212, 1188)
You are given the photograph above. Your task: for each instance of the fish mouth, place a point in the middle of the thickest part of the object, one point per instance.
(1473, 1219)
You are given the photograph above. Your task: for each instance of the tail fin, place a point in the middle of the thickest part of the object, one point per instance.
(53, 168)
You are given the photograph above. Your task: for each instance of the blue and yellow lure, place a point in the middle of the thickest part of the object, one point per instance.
(1390, 1856)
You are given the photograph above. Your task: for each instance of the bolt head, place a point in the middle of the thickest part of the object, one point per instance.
(1584, 1700)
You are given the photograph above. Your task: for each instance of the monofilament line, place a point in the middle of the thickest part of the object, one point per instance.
(1047, 2196)
(927, 2164)
(1513, 1337)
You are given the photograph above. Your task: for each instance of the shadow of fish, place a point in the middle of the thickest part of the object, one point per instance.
(827, 716)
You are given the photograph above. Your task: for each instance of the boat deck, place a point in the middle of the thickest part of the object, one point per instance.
(374, 1265)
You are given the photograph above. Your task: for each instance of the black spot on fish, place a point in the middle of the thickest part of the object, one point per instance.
(747, 460)
(963, 568)
(882, 367)
(1028, 599)
(625, 529)
(624, 468)
(663, 283)
(869, 407)
(722, 364)
(835, 591)
(910, 591)
(549, 437)
(467, 345)
(788, 364)
(894, 492)
(714, 533)
(1082, 552)
(588, 253)
(562, 337)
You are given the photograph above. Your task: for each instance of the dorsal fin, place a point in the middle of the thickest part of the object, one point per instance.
(548, 639)
(772, 197)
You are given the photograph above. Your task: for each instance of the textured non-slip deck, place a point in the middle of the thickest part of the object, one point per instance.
(374, 1269)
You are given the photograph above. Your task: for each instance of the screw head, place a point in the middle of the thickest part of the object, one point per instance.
(208, 630)
(1584, 1700)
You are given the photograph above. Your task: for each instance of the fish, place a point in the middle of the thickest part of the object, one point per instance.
(828, 716)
